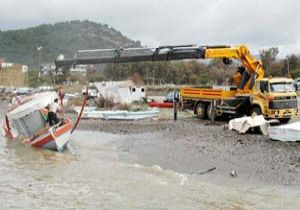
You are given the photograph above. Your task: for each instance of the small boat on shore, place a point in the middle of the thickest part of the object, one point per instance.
(77, 109)
(129, 115)
(160, 104)
(92, 113)
(27, 121)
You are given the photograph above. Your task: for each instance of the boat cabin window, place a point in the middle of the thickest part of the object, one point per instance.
(30, 124)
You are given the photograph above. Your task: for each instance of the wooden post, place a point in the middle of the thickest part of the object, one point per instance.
(175, 109)
(175, 104)
(213, 110)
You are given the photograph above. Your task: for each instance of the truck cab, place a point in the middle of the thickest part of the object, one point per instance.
(275, 98)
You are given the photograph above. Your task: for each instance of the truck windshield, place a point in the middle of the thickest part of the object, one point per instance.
(282, 87)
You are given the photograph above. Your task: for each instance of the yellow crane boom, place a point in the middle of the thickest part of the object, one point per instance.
(244, 79)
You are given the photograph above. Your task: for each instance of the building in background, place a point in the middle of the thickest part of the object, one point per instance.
(79, 70)
(46, 68)
(124, 92)
(12, 74)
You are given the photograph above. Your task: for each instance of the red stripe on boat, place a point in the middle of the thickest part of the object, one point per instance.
(60, 131)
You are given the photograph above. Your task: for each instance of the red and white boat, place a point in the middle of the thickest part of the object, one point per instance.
(27, 121)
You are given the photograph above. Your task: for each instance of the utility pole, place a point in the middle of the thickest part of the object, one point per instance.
(147, 69)
(39, 48)
(288, 65)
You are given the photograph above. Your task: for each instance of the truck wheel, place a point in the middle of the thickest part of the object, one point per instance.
(255, 111)
(200, 110)
(284, 120)
(209, 113)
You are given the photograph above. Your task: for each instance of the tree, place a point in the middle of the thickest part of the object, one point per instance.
(268, 58)
(32, 78)
(293, 64)
(220, 72)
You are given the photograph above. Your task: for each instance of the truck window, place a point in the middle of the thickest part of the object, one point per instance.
(281, 87)
(264, 86)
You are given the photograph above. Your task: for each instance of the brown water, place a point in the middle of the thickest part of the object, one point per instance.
(91, 175)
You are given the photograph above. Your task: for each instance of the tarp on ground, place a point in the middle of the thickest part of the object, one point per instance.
(243, 124)
(288, 132)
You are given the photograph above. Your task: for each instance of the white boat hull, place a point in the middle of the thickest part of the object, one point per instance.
(131, 115)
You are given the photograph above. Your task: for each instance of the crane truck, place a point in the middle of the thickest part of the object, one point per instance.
(253, 94)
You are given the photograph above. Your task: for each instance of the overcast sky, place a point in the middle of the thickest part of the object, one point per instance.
(257, 23)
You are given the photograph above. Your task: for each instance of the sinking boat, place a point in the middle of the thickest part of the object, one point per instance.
(27, 121)
(130, 115)
(288, 132)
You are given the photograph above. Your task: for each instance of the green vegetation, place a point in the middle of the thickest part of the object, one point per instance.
(179, 72)
(194, 72)
(289, 66)
(20, 46)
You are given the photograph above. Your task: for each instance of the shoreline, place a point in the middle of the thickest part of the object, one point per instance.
(192, 146)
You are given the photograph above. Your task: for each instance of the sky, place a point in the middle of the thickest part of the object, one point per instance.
(257, 23)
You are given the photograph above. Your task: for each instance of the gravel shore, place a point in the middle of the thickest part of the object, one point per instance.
(191, 146)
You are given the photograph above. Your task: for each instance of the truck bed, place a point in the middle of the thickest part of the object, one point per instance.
(208, 92)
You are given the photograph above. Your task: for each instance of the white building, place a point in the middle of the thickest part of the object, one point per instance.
(119, 92)
(79, 69)
(24, 68)
(6, 65)
(47, 67)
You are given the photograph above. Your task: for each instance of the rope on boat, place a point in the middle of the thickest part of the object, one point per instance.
(17, 98)
(82, 108)
(61, 97)
(8, 127)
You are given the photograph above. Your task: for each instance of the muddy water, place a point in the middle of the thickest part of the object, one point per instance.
(92, 175)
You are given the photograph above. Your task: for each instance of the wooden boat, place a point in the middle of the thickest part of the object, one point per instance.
(91, 113)
(54, 138)
(27, 121)
(125, 115)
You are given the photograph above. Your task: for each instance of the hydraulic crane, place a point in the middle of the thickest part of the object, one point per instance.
(179, 52)
(252, 95)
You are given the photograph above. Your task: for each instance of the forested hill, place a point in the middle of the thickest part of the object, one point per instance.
(20, 46)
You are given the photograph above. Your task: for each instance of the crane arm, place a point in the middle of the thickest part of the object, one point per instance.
(244, 80)
(126, 55)
(241, 53)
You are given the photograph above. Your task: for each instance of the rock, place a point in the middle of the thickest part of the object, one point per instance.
(233, 174)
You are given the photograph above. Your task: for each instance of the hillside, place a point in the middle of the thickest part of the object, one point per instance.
(64, 37)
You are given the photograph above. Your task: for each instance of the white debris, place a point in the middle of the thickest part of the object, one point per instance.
(243, 124)
(233, 174)
(288, 132)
